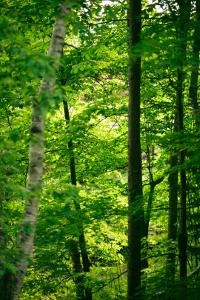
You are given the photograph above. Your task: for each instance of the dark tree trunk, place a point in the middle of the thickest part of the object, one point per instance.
(77, 269)
(136, 217)
(82, 243)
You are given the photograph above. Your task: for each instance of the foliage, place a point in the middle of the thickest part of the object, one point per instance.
(93, 78)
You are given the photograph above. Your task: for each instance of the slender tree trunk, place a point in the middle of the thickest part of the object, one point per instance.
(149, 205)
(153, 184)
(136, 216)
(182, 240)
(147, 215)
(77, 268)
(172, 218)
(12, 283)
(82, 243)
(184, 7)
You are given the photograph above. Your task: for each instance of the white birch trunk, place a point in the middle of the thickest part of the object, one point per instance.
(11, 284)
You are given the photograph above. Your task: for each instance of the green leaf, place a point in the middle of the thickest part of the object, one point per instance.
(77, 27)
(29, 260)
(51, 101)
(12, 269)
(90, 13)
(110, 12)
(98, 9)
(2, 272)
(14, 137)
(43, 111)
(28, 229)
(67, 209)
(47, 77)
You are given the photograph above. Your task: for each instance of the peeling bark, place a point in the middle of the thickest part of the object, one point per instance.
(11, 283)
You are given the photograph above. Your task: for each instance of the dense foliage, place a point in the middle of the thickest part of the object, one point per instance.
(92, 81)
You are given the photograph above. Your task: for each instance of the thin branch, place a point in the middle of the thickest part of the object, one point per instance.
(194, 272)
(115, 20)
(70, 45)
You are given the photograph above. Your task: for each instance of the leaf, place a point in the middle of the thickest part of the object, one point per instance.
(14, 137)
(98, 9)
(51, 101)
(2, 272)
(12, 269)
(77, 27)
(110, 12)
(43, 111)
(67, 209)
(29, 260)
(28, 229)
(90, 13)
(57, 194)
(87, 56)
(47, 77)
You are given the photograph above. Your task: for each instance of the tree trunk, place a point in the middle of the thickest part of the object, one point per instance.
(147, 214)
(172, 218)
(77, 268)
(11, 283)
(136, 216)
(82, 243)
(184, 7)
(152, 184)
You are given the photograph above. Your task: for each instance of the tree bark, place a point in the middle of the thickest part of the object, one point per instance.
(136, 216)
(11, 283)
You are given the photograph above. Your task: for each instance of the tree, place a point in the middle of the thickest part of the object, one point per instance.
(135, 219)
(11, 283)
(185, 7)
(82, 243)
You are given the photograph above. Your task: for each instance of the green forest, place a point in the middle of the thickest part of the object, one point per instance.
(99, 150)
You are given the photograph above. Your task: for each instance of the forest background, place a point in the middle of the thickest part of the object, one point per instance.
(79, 79)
